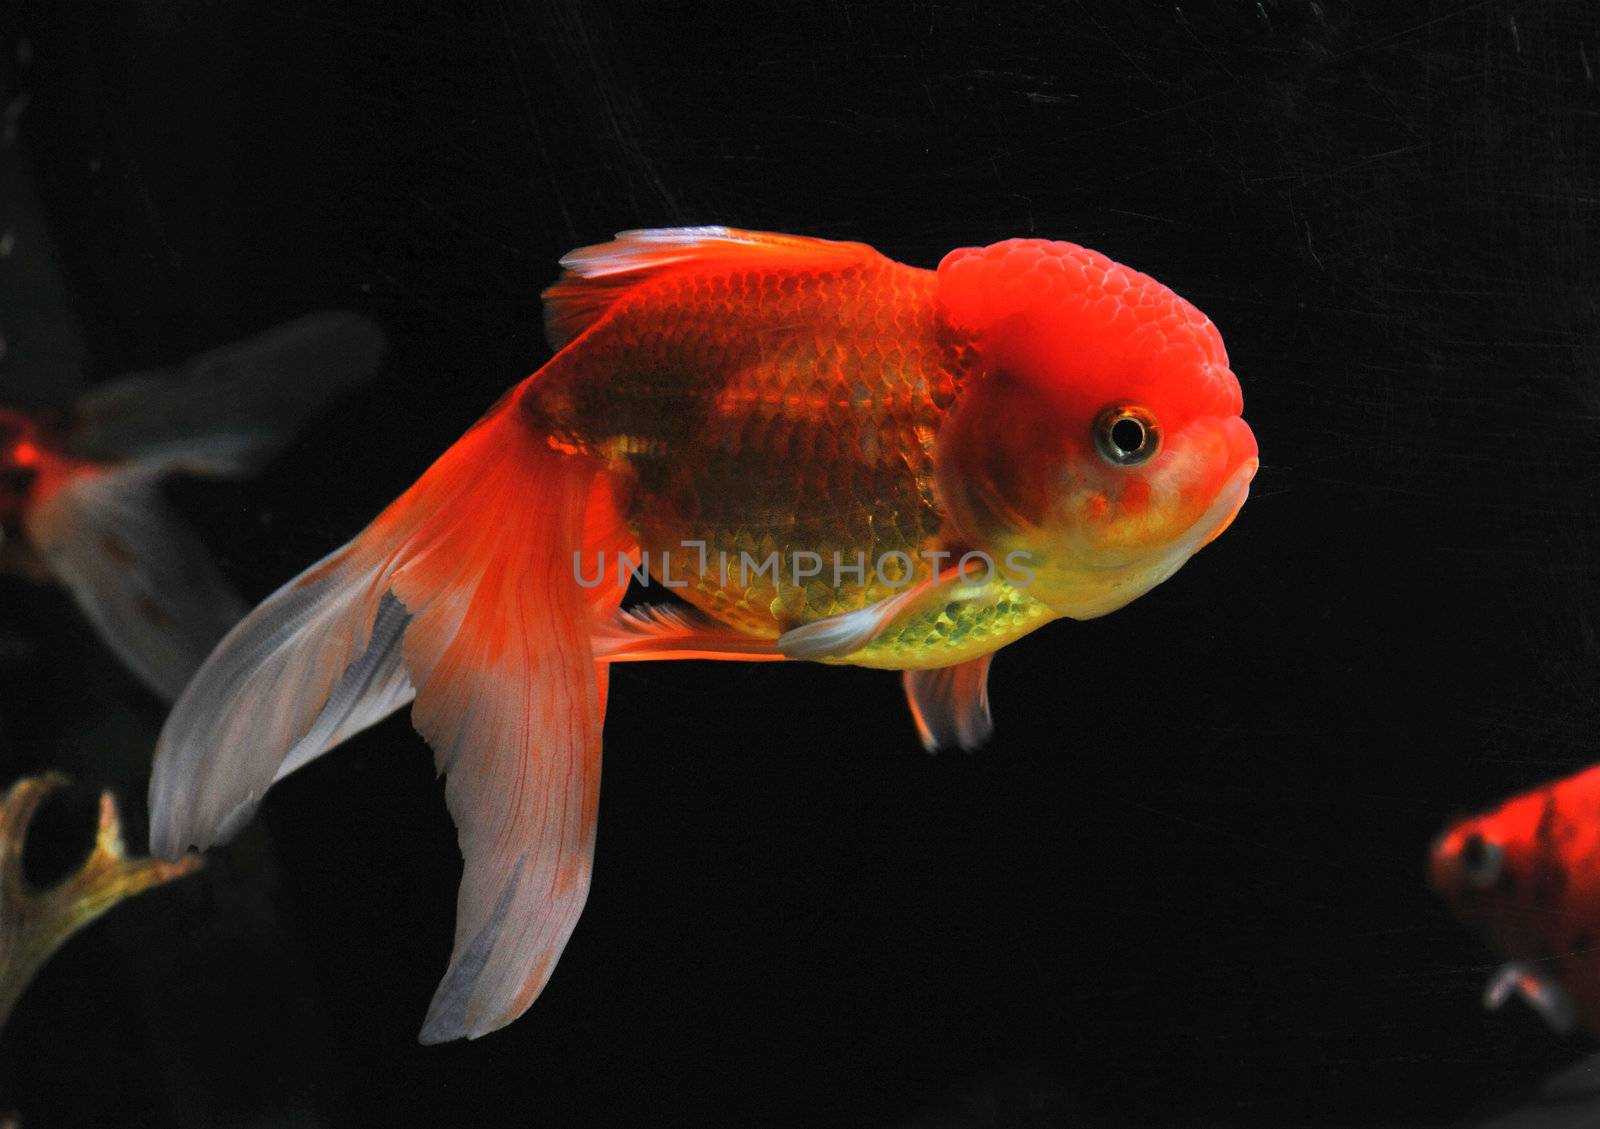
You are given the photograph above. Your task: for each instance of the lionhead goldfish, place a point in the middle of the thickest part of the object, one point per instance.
(717, 398)
(1527, 876)
(80, 498)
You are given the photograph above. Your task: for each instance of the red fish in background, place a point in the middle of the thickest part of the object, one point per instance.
(719, 395)
(1527, 876)
(80, 499)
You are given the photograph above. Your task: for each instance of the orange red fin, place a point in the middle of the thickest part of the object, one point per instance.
(507, 696)
(596, 277)
(951, 704)
(461, 593)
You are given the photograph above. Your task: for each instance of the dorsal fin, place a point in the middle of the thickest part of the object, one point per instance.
(595, 277)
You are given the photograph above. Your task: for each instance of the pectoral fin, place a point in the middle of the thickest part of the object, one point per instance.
(951, 705)
(1543, 994)
(839, 636)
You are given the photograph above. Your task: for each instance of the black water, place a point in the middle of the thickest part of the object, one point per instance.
(1183, 886)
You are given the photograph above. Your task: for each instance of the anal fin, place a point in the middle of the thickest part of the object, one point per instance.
(1541, 993)
(951, 704)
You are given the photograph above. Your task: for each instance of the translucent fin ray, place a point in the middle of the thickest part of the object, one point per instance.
(229, 409)
(950, 705)
(139, 574)
(461, 594)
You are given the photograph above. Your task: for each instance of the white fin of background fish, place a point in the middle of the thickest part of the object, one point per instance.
(1541, 993)
(227, 411)
(140, 575)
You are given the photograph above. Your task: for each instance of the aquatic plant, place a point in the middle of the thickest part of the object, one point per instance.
(35, 923)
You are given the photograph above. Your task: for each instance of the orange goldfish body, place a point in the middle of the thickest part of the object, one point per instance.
(828, 455)
(1527, 876)
(80, 497)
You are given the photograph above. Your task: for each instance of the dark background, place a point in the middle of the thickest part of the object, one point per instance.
(1183, 885)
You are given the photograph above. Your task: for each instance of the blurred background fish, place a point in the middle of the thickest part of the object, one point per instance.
(1527, 876)
(80, 498)
(91, 487)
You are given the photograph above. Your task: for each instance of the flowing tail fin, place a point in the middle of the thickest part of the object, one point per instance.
(463, 593)
(140, 575)
(136, 570)
(227, 411)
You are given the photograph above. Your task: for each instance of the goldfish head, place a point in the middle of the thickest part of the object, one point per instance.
(1518, 872)
(1100, 437)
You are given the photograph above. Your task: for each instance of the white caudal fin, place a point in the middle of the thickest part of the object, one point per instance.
(140, 575)
(136, 570)
(226, 411)
(318, 661)
(463, 593)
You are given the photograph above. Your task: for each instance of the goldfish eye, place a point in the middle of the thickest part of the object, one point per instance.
(1126, 435)
(1480, 861)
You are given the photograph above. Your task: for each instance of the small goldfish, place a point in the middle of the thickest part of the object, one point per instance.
(79, 491)
(1527, 876)
(828, 455)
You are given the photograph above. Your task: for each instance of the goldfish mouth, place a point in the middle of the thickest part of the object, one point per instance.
(1215, 520)
(1110, 585)
(1216, 517)
(1229, 501)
